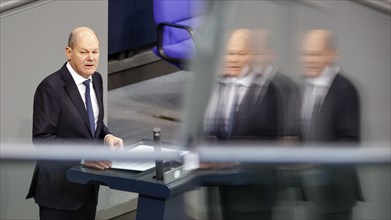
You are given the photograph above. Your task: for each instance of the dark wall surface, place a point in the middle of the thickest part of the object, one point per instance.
(131, 25)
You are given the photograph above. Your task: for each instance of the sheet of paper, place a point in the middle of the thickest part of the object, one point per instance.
(137, 165)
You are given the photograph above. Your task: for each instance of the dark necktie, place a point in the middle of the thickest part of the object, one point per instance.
(89, 107)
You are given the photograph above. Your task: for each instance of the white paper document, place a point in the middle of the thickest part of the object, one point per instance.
(137, 165)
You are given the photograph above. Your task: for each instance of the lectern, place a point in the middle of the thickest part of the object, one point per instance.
(156, 199)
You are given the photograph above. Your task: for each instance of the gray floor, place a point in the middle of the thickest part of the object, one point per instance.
(134, 110)
(126, 216)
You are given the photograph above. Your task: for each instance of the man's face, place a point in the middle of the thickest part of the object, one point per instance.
(84, 56)
(316, 55)
(238, 55)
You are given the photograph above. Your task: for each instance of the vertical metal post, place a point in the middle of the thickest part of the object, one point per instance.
(158, 163)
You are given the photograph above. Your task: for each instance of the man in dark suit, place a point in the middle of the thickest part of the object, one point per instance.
(256, 113)
(330, 113)
(268, 110)
(68, 109)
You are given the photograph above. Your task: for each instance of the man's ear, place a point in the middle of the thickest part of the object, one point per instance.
(68, 52)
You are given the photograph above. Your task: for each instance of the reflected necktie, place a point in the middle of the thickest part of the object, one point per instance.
(89, 107)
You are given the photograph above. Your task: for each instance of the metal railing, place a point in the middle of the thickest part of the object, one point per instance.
(365, 153)
(379, 5)
(7, 5)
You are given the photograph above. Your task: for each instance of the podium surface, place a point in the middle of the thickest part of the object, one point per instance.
(156, 199)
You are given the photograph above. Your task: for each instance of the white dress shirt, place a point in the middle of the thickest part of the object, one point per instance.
(82, 89)
(242, 82)
(230, 91)
(315, 92)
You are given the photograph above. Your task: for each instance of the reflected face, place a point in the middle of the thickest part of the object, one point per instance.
(315, 54)
(238, 55)
(84, 55)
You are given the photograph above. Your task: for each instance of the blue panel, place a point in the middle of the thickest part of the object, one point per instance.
(131, 25)
(144, 26)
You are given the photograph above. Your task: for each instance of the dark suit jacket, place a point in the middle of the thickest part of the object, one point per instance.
(60, 117)
(268, 113)
(261, 116)
(337, 120)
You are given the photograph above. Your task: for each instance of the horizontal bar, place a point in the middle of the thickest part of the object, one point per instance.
(372, 153)
(331, 154)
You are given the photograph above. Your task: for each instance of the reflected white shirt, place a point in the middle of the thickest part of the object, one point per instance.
(323, 82)
(315, 92)
(231, 87)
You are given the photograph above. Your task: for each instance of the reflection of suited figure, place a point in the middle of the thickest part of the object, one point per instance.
(334, 189)
(68, 109)
(336, 113)
(262, 113)
(254, 113)
(256, 117)
(259, 117)
(249, 103)
(228, 115)
(330, 113)
(268, 111)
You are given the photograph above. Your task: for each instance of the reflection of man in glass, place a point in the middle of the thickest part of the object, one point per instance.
(274, 89)
(246, 105)
(238, 55)
(330, 113)
(233, 84)
(252, 100)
